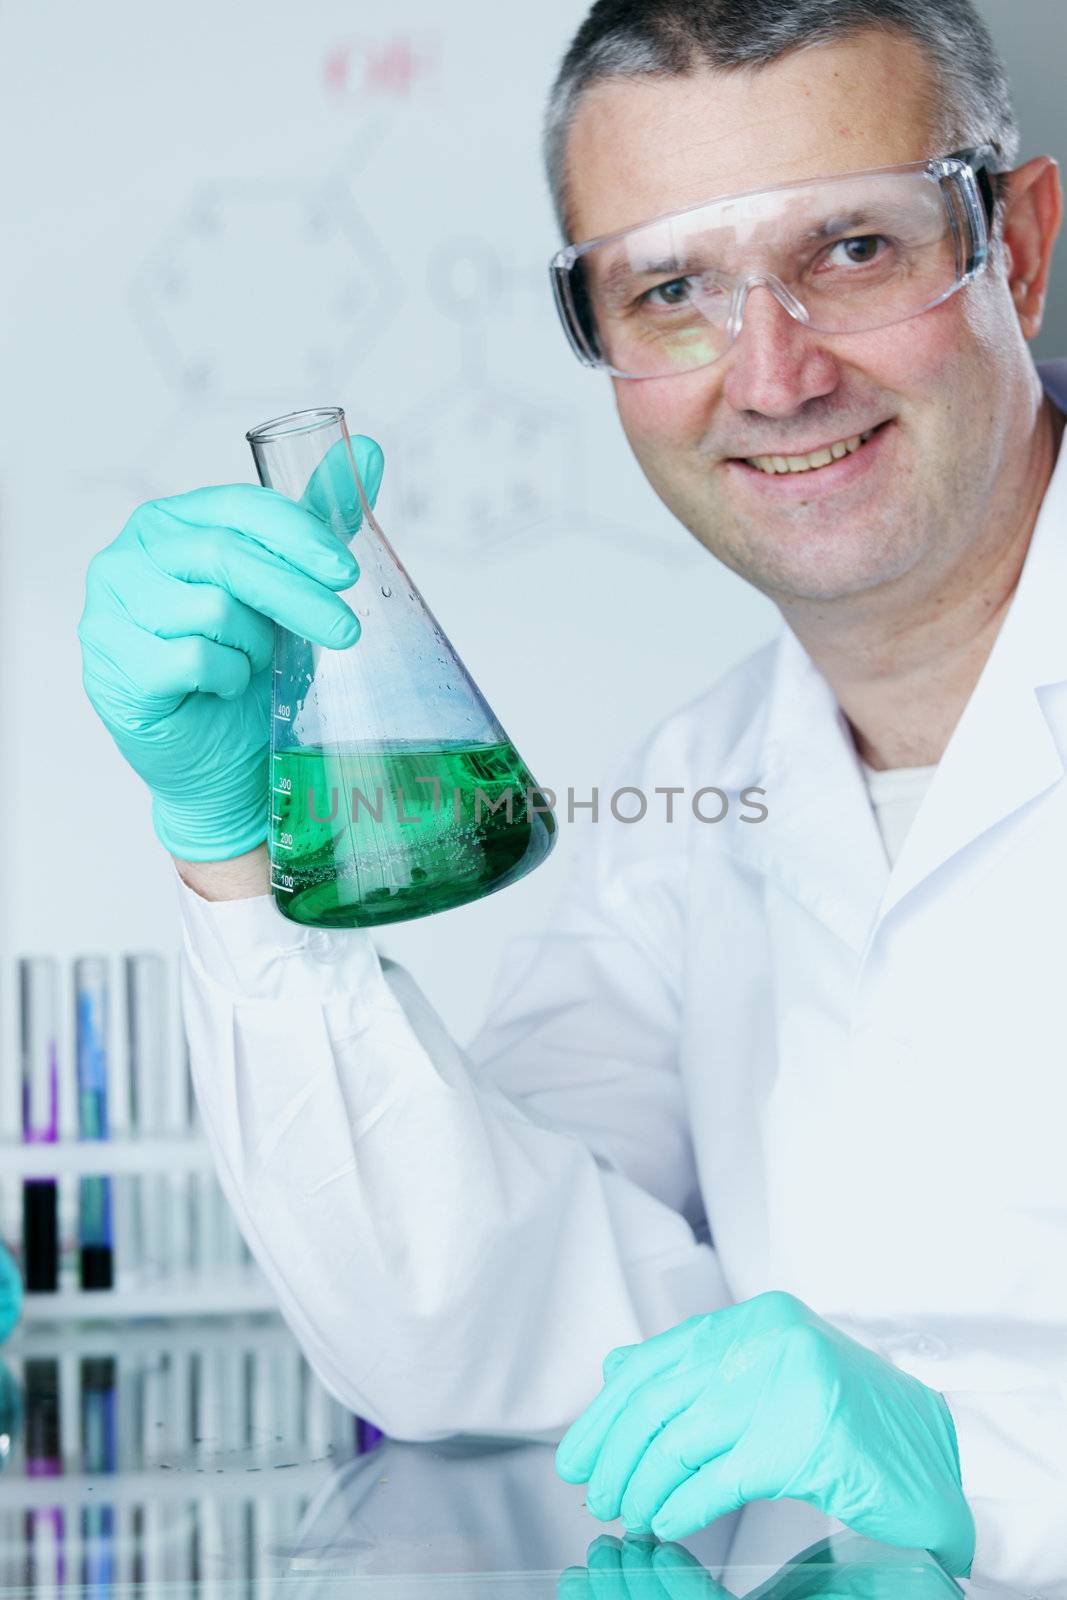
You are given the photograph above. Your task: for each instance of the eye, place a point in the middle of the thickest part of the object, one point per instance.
(674, 293)
(857, 252)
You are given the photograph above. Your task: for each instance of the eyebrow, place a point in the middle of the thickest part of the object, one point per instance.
(622, 273)
(839, 224)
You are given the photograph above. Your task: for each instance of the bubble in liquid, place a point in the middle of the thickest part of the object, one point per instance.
(363, 611)
(386, 591)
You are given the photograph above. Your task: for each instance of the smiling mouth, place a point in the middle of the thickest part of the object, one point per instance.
(814, 460)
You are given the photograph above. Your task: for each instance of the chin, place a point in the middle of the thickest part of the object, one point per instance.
(825, 569)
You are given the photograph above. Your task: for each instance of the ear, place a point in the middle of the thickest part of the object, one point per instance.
(1032, 215)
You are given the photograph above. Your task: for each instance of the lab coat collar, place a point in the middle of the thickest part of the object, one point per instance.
(821, 840)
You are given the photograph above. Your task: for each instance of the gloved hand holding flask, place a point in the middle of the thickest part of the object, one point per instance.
(217, 651)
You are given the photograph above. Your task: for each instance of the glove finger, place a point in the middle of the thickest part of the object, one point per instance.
(213, 613)
(647, 1411)
(638, 1573)
(253, 575)
(279, 526)
(604, 1561)
(332, 492)
(682, 1577)
(145, 678)
(615, 1359)
(573, 1584)
(725, 1484)
(578, 1449)
(687, 1443)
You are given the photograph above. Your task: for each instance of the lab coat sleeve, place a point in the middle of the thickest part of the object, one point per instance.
(1006, 1386)
(1013, 1464)
(457, 1239)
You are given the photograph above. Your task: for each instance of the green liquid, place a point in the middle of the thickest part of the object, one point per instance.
(335, 863)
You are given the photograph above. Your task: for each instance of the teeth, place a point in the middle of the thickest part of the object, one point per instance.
(812, 461)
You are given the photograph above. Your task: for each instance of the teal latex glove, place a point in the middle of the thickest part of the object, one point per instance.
(838, 1568)
(10, 1294)
(638, 1569)
(177, 639)
(766, 1401)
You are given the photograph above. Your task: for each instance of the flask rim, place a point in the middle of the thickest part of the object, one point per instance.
(295, 422)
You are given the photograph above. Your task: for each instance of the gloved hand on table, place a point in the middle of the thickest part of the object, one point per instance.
(177, 641)
(10, 1293)
(766, 1401)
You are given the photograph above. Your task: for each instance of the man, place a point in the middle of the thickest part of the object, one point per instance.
(787, 1098)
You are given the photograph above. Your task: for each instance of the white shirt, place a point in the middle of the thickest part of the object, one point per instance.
(854, 1078)
(896, 796)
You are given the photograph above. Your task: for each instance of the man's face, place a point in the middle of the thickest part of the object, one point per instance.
(908, 501)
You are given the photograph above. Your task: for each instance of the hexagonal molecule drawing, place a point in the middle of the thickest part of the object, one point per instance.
(261, 287)
(480, 463)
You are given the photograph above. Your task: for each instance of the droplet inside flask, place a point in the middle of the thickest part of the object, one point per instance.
(386, 591)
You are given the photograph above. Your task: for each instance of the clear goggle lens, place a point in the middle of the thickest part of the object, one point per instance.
(842, 255)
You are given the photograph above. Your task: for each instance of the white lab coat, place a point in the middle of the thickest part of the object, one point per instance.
(857, 1077)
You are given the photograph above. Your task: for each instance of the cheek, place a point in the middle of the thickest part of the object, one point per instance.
(940, 355)
(659, 414)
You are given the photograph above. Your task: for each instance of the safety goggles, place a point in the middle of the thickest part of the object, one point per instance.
(846, 254)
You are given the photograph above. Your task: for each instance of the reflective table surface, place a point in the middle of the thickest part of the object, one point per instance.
(203, 1459)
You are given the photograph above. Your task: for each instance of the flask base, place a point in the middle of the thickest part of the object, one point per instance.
(368, 836)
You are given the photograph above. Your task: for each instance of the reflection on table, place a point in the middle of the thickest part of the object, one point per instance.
(165, 1453)
(204, 1458)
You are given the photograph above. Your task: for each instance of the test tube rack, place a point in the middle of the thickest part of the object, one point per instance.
(174, 1455)
(175, 1244)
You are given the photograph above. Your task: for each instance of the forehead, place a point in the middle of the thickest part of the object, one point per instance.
(642, 147)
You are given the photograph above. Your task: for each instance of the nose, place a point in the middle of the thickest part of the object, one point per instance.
(776, 364)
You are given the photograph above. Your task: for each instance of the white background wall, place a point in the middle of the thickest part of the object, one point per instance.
(214, 213)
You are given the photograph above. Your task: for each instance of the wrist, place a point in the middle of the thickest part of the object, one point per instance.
(238, 878)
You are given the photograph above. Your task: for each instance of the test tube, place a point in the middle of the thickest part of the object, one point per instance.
(94, 1192)
(159, 1239)
(45, 1528)
(152, 1382)
(40, 1119)
(99, 1448)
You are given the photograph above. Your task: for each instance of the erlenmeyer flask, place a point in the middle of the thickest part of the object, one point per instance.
(395, 792)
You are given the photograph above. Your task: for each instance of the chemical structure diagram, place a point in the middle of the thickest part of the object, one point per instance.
(257, 282)
(263, 289)
(484, 457)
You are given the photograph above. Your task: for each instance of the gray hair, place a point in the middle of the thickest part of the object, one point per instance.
(668, 38)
